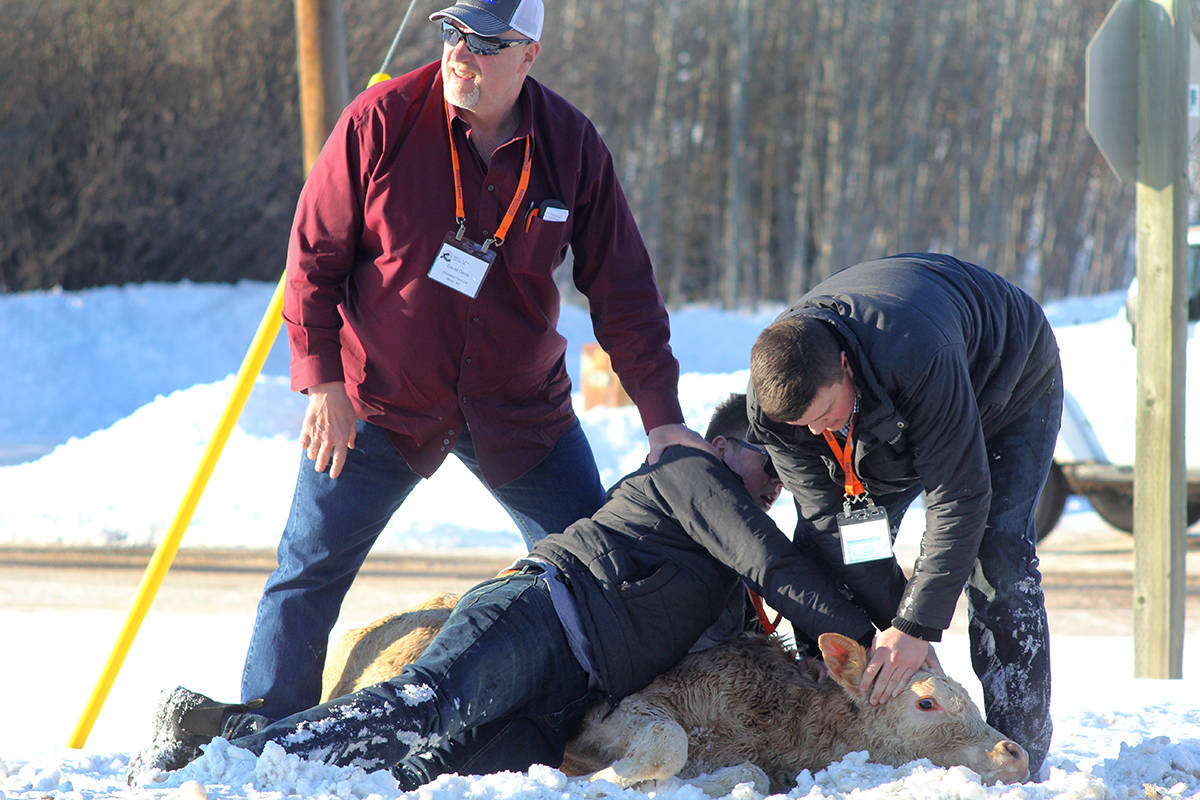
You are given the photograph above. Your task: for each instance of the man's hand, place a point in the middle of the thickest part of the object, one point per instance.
(329, 427)
(678, 433)
(895, 656)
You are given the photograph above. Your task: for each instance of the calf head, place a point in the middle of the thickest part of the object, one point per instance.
(933, 718)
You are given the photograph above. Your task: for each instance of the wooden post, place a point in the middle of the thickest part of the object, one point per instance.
(1160, 469)
(324, 76)
(735, 261)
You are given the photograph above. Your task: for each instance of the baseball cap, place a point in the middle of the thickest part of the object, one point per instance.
(493, 17)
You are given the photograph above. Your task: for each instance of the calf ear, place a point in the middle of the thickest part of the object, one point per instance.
(845, 658)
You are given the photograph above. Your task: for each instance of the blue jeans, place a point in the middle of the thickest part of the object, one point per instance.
(334, 523)
(501, 657)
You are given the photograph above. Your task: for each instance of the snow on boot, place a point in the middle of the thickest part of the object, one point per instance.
(183, 721)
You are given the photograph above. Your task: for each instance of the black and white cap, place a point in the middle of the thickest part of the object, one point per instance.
(493, 17)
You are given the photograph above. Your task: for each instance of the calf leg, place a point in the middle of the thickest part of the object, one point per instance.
(723, 781)
(657, 748)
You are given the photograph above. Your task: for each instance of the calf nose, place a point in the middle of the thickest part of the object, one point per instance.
(1013, 749)
(1014, 759)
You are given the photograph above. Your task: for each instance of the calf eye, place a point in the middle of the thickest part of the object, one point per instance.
(927, 704)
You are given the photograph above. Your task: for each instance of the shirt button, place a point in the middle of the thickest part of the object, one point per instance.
(474, 319)
(445, 441)
(450, 432)
(468, 359)
(491, 188)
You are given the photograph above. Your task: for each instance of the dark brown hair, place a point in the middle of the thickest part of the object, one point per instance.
(790, 361)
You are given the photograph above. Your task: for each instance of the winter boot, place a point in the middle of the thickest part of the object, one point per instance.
(183, 721)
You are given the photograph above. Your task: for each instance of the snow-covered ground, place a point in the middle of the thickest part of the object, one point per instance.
(113, 393)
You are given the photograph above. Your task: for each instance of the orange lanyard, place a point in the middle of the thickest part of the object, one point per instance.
(845, 456)
(761, 612)
(461, 216)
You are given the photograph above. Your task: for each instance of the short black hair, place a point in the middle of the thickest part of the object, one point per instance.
(729, 419)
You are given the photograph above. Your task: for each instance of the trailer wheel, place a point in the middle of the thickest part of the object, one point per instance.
(1051, 502)
(1116, 509)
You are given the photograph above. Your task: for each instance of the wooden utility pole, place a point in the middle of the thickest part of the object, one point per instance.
(324, 76)
(1160, 467)
(1137, 93)
(736, 262)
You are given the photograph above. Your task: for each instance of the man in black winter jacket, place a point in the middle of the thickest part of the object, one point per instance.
(596, 611)
(910, 374)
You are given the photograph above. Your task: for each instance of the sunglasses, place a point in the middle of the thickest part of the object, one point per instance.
(768, 464)
(479, 45)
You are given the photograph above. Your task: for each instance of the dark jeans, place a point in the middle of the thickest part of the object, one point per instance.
(500, 666)
(334, 523)
(1006, 610)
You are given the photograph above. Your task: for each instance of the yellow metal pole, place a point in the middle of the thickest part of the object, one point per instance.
(314, 23)
(156, 570)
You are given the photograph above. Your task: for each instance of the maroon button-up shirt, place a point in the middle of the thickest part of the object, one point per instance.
(426, 361)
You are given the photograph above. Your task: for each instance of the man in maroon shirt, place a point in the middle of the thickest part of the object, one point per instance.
(421, 308)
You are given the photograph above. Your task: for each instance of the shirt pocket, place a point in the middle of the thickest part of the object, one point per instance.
(538, 244)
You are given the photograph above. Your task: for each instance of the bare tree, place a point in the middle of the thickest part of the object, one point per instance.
(763, 145)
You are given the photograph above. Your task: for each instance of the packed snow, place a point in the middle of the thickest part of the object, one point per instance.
(113, 394)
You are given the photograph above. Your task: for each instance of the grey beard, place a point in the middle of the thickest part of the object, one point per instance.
(468, 101)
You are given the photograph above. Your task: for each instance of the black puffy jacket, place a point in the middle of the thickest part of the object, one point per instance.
(944, 354)
(656, 566)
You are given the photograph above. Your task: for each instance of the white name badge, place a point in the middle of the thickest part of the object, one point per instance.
(461, 264)
(866, 535)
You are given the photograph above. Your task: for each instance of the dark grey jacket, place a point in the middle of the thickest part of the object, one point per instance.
(657, 564)
(944, 353)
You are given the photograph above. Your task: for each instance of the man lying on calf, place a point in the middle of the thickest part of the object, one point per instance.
(745, 710)
(595, 612)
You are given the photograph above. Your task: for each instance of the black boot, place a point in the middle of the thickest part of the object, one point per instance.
(183, 721)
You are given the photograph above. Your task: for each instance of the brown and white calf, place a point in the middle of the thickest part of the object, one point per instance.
(748, 709)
